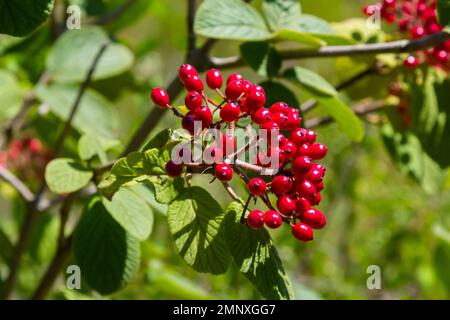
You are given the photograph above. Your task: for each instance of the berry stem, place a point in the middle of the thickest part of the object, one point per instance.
(243, 220)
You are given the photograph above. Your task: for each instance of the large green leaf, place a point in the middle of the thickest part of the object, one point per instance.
(282, 13)
(107, 255)
(21, 17)
(443, 12)
(328, 98)
(276, 91)
(195, 224)
(256, 256)
(131, 211)
(230, 19)
(66, 175)
(73, 54)
(261, 57)
(11, 95)
(90, 146)
(95, 114)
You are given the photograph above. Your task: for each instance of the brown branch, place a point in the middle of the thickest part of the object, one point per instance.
(17, 184)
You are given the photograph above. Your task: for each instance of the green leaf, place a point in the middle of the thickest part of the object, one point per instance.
(311, 80)
(66, 175)
(11, 95)
(276, 91)
(95, 114)
(230, 19)
(154, 161)
(107, 255)
(443, 12)
(90, 146)
(167, 189)
(71, 57)
(328, 98)
(131, 211)
(281, 13)
(19, 18)
(261, 57)
(6, 246)
(195, 224)
(298, 36)
(256, 256)
(319, 28)
(159, 140)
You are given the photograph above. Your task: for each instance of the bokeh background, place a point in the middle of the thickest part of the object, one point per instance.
(377, 215)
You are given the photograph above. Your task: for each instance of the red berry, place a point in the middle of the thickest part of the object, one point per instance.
(214, 79)
(316, 199)
(315, 175)
(230, 112)
(223, 172)
(255, 219)
(247, 86)
(389, 3)
(301, 166)
(317, 151)
(212, 155)
(188, 122)
(256, 98)
(204, 115)
(234, 90)
(319, 186)
(193, 100)
(286, 205)
(417, 32)
(311, 136)
(302, 232)
(294, 121)
(289, 150)
(194, 83)
(411, 62)
(261, 116)
(273, 219)
(313, 218)
(281, 185)
(187, 70)
(228, 144)
(440, 55)
(302, 204)
(298, 136)
(257, 186)
(279, 107)
(234, 77)
(35, 146)
(160, 97)
(173, 169)
(305, 189)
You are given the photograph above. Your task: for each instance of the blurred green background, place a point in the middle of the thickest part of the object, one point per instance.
(376, 214)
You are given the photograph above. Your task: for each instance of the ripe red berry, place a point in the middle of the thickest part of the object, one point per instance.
(270, 126)
(234, 90)
(188, 122)
(173, 169)
(281, 185)
(310, 136)
(272, 219)
(261, 116)
(317, 151)
(234, 77)
(316, 199)
(301, 166)
(214, 79)
(194, 83)
(257, 186)
(187, 70)
(160, 97)
(286, 205)
(411, 62)
(35, 146)
(228, 144)
(302, 232)
(223, 172)
(302, 204)
(193, 100)
(230, 112)
(255, 219)
(319, 186)
(305, 189)
(417, 32)
(298, 136)
(289, 150)
(440, 55)
(313, 218)
(212, 155)
(279, 107)
(204, 114)
(256, 98)
(315, 175)
(293, 121)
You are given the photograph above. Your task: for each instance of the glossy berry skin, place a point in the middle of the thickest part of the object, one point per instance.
(223, 172)
(173, 169)
(294, 121)
(317, 151)
(160, 97)
(273, 219)
(279, 107)
(319, 186)
(187, 70)
(203, 114)
(314, 218)
(411, 62)
(234, 77)
(298, 136)
(311, 136)
(234, 90)
(193, 100)
(315, 175)
(281, 185)
(302, 232)
(188, 122)
(256, 98)
(305, 189)
(214, 79)
(289, 150)
(316, 199)
(228, 144)
(257, 186)
(194, 83)
(301, 165)
(286, 205)
(255, 220)
(261, 116)
(230, 112)
(302, 204)
(213, 155)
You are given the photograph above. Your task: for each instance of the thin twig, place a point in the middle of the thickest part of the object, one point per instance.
(231, 192)
(17, 184)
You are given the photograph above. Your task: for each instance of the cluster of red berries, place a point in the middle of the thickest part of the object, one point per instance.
(396, 89)
(416, 18)
(27, 156)
(299, 180)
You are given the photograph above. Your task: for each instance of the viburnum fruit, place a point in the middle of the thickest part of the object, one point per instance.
(295, 179)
